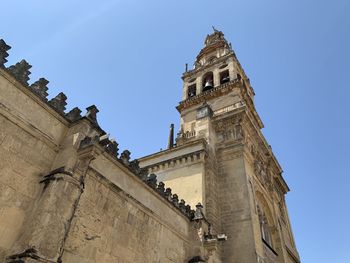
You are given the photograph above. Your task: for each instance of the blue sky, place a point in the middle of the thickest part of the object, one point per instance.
(127, 57)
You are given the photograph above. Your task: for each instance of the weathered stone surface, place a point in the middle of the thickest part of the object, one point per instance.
(91, 113)
(221, 159)
(125, 157)
(72, 216)
(74, 114)
(40, 88)
(108, 227)
(63, 198)
(21, 71)
(3, 52)
(59, 102)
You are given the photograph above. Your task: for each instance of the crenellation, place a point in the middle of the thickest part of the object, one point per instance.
(125, 157)
(39, 87)
(21, 71)
(59, 102)
(74, 114)
(91, 114)
(3, 52)
(151, 181)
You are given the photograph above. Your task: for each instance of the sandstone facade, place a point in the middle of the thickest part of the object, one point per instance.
(67, 195)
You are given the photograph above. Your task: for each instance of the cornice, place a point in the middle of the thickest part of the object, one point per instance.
(174, 149)
(209, 95)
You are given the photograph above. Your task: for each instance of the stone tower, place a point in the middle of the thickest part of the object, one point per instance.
(222, 160)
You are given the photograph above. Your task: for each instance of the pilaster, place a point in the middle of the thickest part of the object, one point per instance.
(49, 222)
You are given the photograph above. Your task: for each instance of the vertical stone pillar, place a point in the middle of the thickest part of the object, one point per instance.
(216, 76)
(199, 83)
(50, 220)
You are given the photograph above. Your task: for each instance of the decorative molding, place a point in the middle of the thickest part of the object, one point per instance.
(210, 94)
(183, 159)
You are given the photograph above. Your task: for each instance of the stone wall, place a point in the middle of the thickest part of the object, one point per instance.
(29, 136)
(111, 226)
(66, 195)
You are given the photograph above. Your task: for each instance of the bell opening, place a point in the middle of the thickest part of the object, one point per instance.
(208, 81)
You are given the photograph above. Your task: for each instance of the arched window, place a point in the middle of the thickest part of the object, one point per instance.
(224, 77)
(208, 81)
(264, 227)
(191, 91)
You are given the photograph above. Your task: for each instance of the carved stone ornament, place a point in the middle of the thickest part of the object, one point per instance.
(87, 141)
(59, 102)
(229, 123)
(39, 87)
(217, 36)
(152, 180)
(198, 214)
(261, 172)
(182, 206)
(21, 71)
(74, 114)
(3, 52)
(92, 113)
(204, 111)
(175, 200)
(110, 145)
(125, 157)
(168, 194)
(161, 188)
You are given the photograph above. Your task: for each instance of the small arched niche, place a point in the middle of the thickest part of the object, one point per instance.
(264, 226)
(191, 90)
(224, 77)
(208, 81)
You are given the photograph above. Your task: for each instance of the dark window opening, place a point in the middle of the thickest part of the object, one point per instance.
(239, 77)
(224, 77)
(264, 227)
(191, 91)
(208, 81)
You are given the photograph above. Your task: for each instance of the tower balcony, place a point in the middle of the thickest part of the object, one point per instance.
(212, 93)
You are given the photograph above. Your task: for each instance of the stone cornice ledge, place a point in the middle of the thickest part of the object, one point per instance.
(208, 95)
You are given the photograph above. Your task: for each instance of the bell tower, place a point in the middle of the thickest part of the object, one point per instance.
(206, 88)
(222, 160)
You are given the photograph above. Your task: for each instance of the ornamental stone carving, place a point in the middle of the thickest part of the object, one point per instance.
(74, 114)
(125, 157)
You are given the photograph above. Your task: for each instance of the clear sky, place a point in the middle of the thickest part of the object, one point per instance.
(127, 57)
